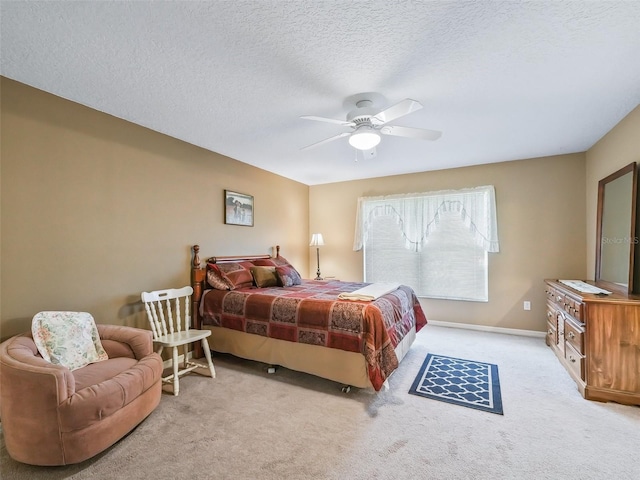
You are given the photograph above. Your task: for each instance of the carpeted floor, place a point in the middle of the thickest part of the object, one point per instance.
(247, 424)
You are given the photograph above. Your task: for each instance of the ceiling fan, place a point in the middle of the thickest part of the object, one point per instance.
(368, 122)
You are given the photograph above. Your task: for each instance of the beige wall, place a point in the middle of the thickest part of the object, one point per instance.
(541, 224)
(96, 209)
(618, 148)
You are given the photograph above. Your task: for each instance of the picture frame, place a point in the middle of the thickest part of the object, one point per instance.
(238, 208)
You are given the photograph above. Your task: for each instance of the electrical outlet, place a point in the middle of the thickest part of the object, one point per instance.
(527, 305)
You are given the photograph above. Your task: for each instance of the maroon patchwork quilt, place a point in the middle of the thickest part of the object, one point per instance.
(312, 313)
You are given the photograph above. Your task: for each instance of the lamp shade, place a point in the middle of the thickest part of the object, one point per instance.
(316, 240)
(364, 138)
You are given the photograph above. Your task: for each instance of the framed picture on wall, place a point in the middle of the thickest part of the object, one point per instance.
(238, 208)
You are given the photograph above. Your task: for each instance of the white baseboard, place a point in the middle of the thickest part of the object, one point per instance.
(167, 363)
(485, 328)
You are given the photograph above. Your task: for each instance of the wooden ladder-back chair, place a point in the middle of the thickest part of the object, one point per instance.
(171, 329)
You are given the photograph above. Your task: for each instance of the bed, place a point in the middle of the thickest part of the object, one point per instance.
(302, 324)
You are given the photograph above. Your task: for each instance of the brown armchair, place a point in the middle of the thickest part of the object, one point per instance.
(54, 416)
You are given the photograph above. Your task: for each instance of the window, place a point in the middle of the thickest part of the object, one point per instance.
(436, 242)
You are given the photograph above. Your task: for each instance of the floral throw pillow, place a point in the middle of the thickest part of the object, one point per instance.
(216, 280)
(288, 276)
(69, 339)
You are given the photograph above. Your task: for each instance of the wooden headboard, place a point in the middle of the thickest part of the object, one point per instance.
(199, 276)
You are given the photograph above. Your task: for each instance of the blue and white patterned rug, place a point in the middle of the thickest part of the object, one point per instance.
(461, 382)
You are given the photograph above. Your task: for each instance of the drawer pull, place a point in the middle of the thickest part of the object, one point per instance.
(549, 314)
(550, 332)
(572, 360)
(572, 335)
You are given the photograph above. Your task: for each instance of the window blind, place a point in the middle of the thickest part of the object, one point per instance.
(435, 242)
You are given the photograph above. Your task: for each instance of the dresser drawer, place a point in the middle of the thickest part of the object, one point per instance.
(564, 302)
(578, 311)
(550, 291)
(573, 308)
(552, 334)
(575, 360)
(555, 295)
(574, 335)
(552, 312)
(558, 297)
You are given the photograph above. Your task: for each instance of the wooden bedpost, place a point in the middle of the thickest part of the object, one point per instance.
(277, 251)
(198, 276)
(196, 256)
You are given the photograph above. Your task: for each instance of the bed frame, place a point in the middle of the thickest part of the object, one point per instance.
(199, 277)
(347, 368)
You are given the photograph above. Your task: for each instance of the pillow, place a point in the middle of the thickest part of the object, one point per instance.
(271, 262)
(69, 339)
(264, 276)
(280, 261)
(264, 262)
(288, 276)
(237, 275)
(215, 278)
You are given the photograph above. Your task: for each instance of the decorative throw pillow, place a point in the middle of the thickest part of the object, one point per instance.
(264, 276)
(236, 274)
(215, 278)
(288, 276)
(280, 261)
(69, 339)
(264, 262)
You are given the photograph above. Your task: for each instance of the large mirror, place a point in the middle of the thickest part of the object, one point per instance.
(616, 229)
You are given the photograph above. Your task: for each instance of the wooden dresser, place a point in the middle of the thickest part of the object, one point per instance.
(597, 339)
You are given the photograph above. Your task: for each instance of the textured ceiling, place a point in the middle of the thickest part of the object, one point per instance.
(501, 80)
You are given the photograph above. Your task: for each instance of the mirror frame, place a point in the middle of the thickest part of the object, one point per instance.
(632, 233)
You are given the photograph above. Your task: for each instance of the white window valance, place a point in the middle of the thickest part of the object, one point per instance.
(418, 215)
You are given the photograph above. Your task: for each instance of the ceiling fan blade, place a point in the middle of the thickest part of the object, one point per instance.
(328, 120)
(398, 110)
(410, 132)
(326, 140)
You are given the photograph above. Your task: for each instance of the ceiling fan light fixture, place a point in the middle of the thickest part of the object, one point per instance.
(364, 138)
